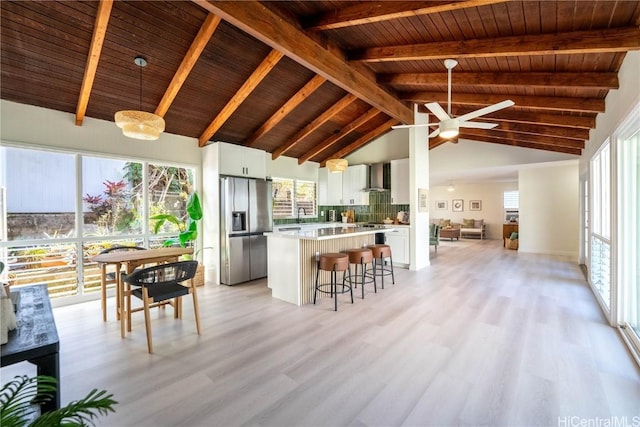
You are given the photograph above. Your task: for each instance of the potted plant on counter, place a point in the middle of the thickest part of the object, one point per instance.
(188, 229)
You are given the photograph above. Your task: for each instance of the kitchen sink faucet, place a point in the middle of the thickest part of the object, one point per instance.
(303, 211)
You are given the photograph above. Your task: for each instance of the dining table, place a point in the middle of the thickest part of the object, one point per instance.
(129, 261)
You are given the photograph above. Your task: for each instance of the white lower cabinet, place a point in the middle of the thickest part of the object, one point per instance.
(398, 240)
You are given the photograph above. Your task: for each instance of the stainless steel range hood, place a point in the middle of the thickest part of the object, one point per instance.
(376, 178)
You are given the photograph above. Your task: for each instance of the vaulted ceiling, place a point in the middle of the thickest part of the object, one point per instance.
(319, 79)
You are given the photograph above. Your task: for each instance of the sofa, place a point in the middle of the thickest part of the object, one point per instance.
(474, 227)
(468, 228)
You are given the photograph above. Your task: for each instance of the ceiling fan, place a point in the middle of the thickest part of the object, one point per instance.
(449, 126)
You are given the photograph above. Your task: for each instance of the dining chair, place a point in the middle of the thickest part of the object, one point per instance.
(111, 276)
(164, 284)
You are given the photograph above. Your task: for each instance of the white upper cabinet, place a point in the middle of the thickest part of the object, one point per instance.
(400, 182)
(354, 180)
(329, 188)
(236, 160)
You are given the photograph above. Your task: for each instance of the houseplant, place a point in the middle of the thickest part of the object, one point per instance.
(18, 398)
(187, 226)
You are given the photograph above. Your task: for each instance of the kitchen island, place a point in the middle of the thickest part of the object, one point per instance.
(292, 251)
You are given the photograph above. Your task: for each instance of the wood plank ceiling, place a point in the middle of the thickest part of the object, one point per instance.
(319, 79)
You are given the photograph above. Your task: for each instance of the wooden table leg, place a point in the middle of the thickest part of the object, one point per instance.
(121, 307)
(103, 290)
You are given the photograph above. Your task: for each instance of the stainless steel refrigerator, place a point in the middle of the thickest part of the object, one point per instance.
(245, 213)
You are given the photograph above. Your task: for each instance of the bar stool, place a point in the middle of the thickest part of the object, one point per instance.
(333, 262)
(362, 257)
(380, 254)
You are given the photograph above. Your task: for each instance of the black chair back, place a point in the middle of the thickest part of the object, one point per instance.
(163, 274)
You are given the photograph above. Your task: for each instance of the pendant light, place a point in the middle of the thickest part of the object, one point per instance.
(337, 165)
(451, 188)
(140, 124)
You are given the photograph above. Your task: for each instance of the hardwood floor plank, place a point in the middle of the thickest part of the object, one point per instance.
(484, 336)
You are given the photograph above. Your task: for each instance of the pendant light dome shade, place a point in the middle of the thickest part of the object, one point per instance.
(337, 165)
(140, 124)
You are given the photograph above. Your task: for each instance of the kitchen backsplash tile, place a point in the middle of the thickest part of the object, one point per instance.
(379, 208)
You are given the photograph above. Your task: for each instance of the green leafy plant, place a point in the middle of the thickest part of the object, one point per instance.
(187, 226)
(18, 399)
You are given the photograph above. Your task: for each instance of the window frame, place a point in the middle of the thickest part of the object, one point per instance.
(295, 185)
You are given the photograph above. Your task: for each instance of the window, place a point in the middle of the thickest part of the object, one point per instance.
(59, 209)
(628, 227)
(511, 200)
(600, 259)
(290, 195)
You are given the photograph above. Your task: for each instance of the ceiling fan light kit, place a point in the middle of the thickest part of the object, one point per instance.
(449, 126)
(337, 165)
(140, 124)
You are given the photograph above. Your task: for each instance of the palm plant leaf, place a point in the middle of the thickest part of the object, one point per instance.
(18, 399)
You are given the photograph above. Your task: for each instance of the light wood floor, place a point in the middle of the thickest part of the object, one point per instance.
(485, 336)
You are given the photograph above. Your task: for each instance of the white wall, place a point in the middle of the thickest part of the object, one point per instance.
(471, 161)
(287, 167)
(549, 210)
(490, 194)
(29, 125)
(618, 106)
(390, 146)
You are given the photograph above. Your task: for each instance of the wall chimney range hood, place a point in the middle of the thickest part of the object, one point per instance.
(376, 178)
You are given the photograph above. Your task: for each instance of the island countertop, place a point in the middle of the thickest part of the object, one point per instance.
(326, 232)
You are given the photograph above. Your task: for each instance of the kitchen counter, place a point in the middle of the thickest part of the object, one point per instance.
(339, 231)
(291, 256)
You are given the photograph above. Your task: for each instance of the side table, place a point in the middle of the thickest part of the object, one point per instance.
(450, 233)
(36, 338)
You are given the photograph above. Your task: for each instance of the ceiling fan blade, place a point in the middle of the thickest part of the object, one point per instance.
(413, 126)
(437, 111)
(434, 133)
(478, 125)
(486, 110)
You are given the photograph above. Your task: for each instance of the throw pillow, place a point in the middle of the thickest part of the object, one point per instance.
(445, 223)
(514, 236)
(477, 223)
(468, 223)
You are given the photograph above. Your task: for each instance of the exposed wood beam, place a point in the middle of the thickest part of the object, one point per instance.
(537, 129)
(245, 90)
(195, 50)
(532, 117)
(438, 141)
(369, 12)
(338, 136)
(288, 107)
(363, 140)
(97, 40)
(548, 80)
(515, 136)
(270, 28)
(523, 144)
(551, 103)
(319, 121)
(593, 41)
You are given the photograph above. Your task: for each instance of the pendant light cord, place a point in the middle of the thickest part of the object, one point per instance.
(140, 107)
